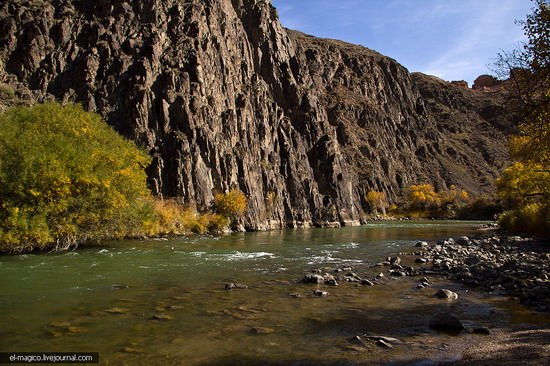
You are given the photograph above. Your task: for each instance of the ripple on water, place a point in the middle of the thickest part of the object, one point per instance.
(351, 245)
(239, 256)
(324, 259)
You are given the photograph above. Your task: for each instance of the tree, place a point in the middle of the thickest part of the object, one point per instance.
(523, 183)
(65, 177)
(525, 186)
(528, 72)
(377, 201)
(422, 196)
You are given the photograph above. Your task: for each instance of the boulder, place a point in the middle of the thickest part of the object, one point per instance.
(446, 321)
(394, 260)
(446, 294)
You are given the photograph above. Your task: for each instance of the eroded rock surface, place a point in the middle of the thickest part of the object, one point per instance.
(223, 96)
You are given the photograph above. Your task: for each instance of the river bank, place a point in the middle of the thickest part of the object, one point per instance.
(501, 269)
(500, 265)
(513, 266)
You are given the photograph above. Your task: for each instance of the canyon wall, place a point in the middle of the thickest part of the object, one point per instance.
(223, 97)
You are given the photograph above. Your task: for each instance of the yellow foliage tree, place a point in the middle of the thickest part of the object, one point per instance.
(422, 196)
(66, 177)
(377, 201)
(453, 196)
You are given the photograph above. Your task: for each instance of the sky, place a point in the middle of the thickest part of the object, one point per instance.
(451, 39)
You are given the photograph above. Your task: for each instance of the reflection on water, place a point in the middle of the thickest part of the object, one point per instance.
(164, 302)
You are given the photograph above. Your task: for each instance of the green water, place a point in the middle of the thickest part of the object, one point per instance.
(102, 299)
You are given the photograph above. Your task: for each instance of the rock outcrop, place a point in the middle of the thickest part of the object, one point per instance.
(485, 82)
(223, 96)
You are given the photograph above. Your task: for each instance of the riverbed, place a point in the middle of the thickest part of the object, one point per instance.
(164, 302)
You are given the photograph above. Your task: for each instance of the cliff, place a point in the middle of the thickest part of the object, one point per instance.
(223, 96)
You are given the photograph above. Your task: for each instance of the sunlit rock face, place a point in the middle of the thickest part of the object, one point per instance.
(223, 96)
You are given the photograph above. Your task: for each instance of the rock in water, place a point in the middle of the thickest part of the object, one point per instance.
(162, 317)
(446, 294)
(320, 293)
(238, 286)
(446, 321)
(313, 278)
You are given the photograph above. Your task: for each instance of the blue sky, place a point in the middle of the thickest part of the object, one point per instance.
(452, 39)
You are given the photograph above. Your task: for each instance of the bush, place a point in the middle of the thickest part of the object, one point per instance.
(423, 201)
(422, 197)
(525, 188)
(532, 218)
(67, 177)
(231, 204)
(481, 209)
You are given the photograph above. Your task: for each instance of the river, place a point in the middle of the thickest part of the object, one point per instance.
(164, 301)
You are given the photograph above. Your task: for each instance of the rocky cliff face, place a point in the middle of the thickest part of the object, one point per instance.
(223, 96)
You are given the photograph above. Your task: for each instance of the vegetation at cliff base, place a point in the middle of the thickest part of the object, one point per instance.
(422, 200)
(231, 204)
(66, 178)
(377, 201)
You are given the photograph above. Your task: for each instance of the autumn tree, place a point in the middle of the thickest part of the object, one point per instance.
(377, 201)
(527, 70)
(231, 204)
(525, 186)
(422, 196)
(66, 177)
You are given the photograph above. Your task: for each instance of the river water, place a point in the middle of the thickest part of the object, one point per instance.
(164, 302)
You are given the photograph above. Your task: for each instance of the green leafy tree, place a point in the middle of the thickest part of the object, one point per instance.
(66, 177)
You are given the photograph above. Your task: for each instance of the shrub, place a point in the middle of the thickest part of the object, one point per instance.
(482, 208)
(525, 188)
(66, 177)
(532, 218)
(231, 204)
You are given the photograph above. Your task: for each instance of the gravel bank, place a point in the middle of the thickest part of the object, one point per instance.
(503, 265)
